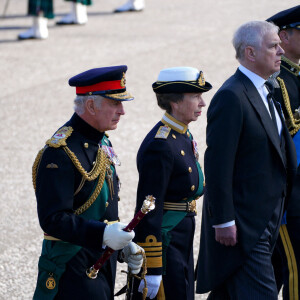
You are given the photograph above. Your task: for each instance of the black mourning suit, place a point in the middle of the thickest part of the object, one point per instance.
(247, 169)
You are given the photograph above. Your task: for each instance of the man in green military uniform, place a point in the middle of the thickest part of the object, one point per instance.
(77, 187)
(286, 257)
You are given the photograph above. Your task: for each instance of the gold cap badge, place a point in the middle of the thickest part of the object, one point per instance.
(201, 80)
(123, 80)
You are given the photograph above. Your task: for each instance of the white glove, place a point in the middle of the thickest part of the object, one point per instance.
(115, 238)
(153, 283)
(132, 254)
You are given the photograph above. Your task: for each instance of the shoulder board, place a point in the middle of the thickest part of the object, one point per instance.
(60, 137)
(163, 132)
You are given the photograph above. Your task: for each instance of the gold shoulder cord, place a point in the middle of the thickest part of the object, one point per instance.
(97, 168)
(294, 124)
(100, 167)
(35, 167)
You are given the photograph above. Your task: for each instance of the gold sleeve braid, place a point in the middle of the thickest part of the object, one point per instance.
(153, 251)
(294, 124)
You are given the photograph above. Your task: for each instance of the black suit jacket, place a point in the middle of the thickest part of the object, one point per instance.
(245, 173)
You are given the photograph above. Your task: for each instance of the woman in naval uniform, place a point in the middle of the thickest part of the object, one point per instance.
(168, 167)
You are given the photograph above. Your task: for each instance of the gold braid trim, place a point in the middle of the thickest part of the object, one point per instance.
(35, 167)
(295, 124)
(91, 200)
(99, 166)
(102, 164)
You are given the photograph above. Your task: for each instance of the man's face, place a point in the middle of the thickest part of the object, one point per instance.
(294, 43)
(108, 115)
(189, 109)
(268, 56)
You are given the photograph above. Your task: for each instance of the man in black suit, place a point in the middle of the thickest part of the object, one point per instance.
(249, 162)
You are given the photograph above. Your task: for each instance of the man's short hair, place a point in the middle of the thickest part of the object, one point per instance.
(164, 100)
(251, 34)
(79, 102)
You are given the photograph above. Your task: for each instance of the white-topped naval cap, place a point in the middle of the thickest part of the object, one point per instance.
(179, 74)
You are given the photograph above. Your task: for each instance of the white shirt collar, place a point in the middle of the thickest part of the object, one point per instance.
(255, 79)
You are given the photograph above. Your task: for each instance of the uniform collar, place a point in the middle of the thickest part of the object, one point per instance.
(290, 66)
(176, 125)
(85, 129)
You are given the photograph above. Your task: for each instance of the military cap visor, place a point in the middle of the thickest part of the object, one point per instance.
(181, 80)
(109, 82)
(289, 18)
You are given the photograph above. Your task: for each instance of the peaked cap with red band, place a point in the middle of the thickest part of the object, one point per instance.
(108, 82)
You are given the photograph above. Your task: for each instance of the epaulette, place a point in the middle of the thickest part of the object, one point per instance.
(163, 132)
(60, 137)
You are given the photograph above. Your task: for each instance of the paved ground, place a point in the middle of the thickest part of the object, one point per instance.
(35, 98)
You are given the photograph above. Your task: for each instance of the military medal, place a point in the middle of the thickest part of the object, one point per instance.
(196, 153)
(50, 283)
(109, 151)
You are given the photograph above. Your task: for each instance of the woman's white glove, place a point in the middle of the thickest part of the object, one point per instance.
(114, 236)
(153, 283)
(132, 254)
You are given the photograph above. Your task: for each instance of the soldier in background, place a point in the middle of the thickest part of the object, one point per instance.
(131, 5)
(77, 188)
(42, 10)
(286, 256)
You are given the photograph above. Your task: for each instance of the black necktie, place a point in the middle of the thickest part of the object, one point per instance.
(270, 89)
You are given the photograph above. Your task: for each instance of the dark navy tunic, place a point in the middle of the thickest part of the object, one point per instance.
(60, 190)
(167, 169)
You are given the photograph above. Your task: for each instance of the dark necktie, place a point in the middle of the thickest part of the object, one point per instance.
(270, 89)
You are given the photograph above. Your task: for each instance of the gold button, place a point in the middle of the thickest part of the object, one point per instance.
(105, 221)
(182, 152)
(188, 134)
(173, 136)
(192, 188)
(190, 169)
(94, 162)
(106, 204)
(86, 145)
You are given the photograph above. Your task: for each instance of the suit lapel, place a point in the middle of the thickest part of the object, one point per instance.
(256, 101)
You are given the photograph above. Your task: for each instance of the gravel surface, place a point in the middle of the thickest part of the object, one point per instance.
(36, 99)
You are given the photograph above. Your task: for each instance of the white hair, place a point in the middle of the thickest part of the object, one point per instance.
(251, 34)
(79, 102)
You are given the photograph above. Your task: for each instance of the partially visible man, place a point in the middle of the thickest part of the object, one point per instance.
(77, 187)
(249, 160)
(286, 256)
